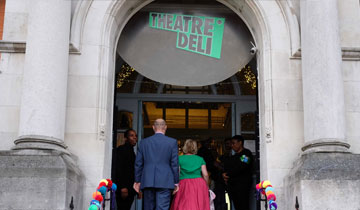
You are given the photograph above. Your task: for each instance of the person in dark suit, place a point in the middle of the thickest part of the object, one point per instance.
(157, 168)
(206, 153)
(123, 171)
(220, 186)
(238, 173)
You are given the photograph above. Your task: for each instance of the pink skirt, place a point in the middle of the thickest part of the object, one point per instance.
(193, 194)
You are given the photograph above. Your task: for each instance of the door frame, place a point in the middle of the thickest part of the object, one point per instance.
(239, 104)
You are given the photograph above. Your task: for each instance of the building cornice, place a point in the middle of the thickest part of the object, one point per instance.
(348, 54)
(20, 47)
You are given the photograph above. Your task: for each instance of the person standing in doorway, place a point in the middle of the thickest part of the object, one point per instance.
(206, 153)
(123, 171)
(238, 173)
(220, 186)
(194, 192)
(157, 168)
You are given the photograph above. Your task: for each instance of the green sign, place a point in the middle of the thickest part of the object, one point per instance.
(196, 34)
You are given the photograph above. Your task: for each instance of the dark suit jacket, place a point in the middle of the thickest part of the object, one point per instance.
(239, 172)
(156, 164)
(123, 167)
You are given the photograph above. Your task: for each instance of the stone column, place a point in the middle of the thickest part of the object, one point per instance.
(325, 164)
(323, 89)
(43, 105)
(40, 155)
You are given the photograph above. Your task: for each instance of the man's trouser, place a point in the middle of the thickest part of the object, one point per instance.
(156, 198)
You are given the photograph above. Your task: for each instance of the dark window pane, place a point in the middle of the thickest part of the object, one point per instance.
(248, 122)
(149, 86)
(225, 87)
(198, 118)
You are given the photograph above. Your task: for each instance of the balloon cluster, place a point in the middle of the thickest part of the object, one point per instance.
(265, 188)
(106, 185)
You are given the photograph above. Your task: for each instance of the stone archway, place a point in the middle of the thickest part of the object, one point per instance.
(99, 23)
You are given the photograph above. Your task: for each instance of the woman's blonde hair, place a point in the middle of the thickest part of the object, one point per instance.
(190, 146)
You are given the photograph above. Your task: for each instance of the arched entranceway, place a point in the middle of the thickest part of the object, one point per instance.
(99, 24)
(213, 112)
(201, 94)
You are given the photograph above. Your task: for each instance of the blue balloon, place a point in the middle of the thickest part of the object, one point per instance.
(102, 190)
(95, 202)
(114, 187)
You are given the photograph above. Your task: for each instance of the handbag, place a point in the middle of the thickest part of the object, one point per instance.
(212, 197)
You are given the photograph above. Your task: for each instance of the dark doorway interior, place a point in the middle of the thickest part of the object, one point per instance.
(198, 121)
(191, 112)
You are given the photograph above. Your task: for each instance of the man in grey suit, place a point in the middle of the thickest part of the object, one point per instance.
(157, 168)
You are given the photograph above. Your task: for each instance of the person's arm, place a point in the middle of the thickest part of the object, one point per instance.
(176, 185)
(228, 167)
(122, 179)
(175, 162)
(120, 173)
(205, 174)
(139, 165)
(124, 172)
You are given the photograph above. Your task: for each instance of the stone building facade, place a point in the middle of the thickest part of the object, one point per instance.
(57, 96)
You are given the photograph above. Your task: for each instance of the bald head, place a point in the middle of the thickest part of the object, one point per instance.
(159, 126)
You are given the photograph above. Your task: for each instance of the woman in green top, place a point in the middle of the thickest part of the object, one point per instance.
(193, 193)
